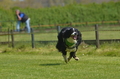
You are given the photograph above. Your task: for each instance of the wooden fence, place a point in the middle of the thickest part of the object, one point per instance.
(97, 41)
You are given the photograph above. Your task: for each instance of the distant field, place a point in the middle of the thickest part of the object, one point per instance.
(88, 33)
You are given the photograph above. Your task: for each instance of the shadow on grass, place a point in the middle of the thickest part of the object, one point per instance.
(51, 64)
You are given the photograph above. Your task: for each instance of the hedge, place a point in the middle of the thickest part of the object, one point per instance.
(66, 14)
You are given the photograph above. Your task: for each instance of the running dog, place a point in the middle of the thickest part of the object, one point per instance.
(68, 41)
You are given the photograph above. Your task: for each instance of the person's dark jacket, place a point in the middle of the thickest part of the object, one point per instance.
(24, 18)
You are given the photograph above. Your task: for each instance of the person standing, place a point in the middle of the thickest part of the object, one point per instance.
(21, 17)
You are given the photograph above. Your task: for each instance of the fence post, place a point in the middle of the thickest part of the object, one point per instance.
(70, 24)
(118, 21)
(102, 22)
(0, 28)
(97, 36)
(12, 38)
(8, 37)
(58, 29)
(86, 23)
(32, 37)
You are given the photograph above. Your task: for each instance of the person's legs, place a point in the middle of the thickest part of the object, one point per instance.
(28, 25)
(18, 26)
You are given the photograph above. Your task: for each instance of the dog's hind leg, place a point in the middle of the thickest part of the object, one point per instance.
(73, 54)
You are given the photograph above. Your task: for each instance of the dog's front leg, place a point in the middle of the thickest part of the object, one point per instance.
(75, 57)
(69, 58)
(65, 58)
(64, 54)
(73, 54)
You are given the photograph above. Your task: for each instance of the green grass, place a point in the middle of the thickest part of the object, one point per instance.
(46, 62)
(53, 67)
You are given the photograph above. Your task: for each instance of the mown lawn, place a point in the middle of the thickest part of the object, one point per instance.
(52, 66)
(45, 62)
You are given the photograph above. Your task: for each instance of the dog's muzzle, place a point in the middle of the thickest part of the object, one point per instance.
(74, 35)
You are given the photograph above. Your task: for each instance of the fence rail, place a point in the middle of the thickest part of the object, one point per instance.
(65, 24)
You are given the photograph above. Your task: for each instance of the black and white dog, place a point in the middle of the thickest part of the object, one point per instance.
(68, 41)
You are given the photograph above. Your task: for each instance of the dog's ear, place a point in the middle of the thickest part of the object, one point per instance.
(66, 33)
(65, 30)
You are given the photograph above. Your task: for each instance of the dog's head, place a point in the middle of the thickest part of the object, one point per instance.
(70, 33)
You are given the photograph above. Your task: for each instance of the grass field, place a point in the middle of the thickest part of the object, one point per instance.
(46, 63)
(53, 67)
